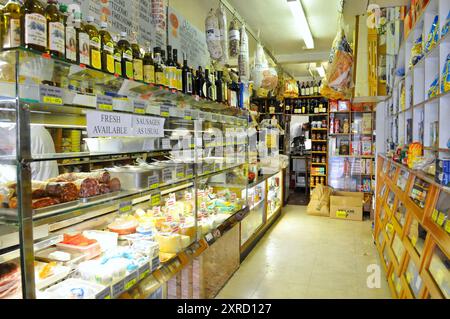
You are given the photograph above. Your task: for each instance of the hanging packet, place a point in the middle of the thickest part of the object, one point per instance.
(244, 66)
(416, 52)
(222, 18)
(234, 37)
(445, 81)
(433, 36)
(213, 36)
(434, 88)
(446, 26)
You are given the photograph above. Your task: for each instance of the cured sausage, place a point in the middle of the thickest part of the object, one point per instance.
(65, 192)
(101, 176)
(114, 185)
(44, 202)
(104, 189)
(87, 187)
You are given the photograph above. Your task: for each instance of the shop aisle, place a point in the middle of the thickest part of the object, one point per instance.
(305, 256)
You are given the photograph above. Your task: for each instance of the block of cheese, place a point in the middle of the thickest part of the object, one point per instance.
(170, 244)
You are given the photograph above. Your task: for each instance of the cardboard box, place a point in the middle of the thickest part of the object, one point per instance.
(347, 205)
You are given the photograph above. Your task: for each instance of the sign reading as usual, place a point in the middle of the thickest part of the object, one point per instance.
(146, 126)
(105, 124)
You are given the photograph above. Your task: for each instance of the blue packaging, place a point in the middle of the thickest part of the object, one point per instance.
(443, 165)
(446, 26)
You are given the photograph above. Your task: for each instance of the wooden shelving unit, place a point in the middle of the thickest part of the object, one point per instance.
(412, 231)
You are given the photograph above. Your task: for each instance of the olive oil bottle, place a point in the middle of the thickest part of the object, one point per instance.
(117, 57)
(127, 56)
(55, 30)
(138, 63)
(149, 66)
(107, 45)
(83, 43)
(34, 25)
(94, 44)
(159, 71)
(71, 38)
(10, 24)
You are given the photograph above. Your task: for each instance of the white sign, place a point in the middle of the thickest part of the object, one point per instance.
(146, 126)
(108, 124)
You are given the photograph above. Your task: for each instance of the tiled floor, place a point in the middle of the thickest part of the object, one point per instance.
(309, 257)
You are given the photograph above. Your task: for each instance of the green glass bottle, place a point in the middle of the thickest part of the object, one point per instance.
(55, 30)
(138, 63)
(34, 25)
(127, 56)
(10, 24)
(107, 49)
(117, 57)
(149, 65)
(83, 42)
(94, 44)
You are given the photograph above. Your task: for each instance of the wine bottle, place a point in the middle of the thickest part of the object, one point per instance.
(166, 75)
(107, 45)
(126, 51)
(159, 72)
(149, 65)
(34, 25)
(207, 85)
(219, 87)
(170, 69)
(94, 44)
(303, 89)
(304, 107)
(10, 24)
(138, 63)
(178, 71)
(186, 79)
(200, 81)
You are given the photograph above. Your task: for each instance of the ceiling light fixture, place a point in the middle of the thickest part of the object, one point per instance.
(301, 22)
(321, 71)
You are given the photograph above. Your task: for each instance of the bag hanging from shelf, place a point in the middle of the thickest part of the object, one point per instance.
(244, 66)
(433, 36)
(446, 26)
(223, 28)
(213, 36)
(445, 82)
(338, 83)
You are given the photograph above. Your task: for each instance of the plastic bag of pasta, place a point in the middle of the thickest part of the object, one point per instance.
(446, 26)
(416, 52)
(223, 27)
(243, 59)
(445, 82)
(433, 36)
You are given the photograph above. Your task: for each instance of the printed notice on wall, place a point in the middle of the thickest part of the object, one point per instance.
(108, 124)
(146, 126)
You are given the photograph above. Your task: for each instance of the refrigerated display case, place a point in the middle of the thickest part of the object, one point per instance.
(274, 195)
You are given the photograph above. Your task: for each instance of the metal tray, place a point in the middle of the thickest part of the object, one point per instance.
(98, 197)
(55, 208)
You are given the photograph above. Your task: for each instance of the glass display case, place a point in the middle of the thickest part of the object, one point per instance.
(392, 171)
(389, 229)
(414, 279)
(419, 192)
(402, 179)
(439, 270)
(397, 284)
(257, 205)
(128, 177)
(274, 194)
(391, 200)
(441, 214)
(400, 214)
(397, 248)
(416, 235)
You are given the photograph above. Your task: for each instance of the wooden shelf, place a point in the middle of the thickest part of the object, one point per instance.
(319, 129)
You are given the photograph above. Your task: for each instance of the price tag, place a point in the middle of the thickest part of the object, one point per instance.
(441, 219)
(104, 294)
(104, 103)
(208, 117)
(165, 111)
(154, 109)
(188, 115)
(341, 214)
(153, 182)
(51, 94)
(389, 228)
(176, 112)
(166, 144)
(201, 115)
(156, 200)
(139, 106)
(215, 118)
(118, 288)
(144, 271)
(435, 215)
(447, 226)
(166, 175)
(131, 280)
(155, 263)
(209, 238)
(189, 173)
(180, 172)
(125, 207)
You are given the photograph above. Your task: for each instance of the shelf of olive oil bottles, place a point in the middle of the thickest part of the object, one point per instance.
(306, 106)
(63, 35)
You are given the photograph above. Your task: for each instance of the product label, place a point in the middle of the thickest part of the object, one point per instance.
(83, 47)
(96, 58)
(118, 63)
(156, 200)
(12, 38)
(95, 43)
(441, 219)
(234, 35)
(153, 182)
(71, 44)
(56, 37)
(110, 64)
(109, 47)
(149, 73)
(36, 29)
(189, 82)
(159, 77)
(138, 67)
(127, 56)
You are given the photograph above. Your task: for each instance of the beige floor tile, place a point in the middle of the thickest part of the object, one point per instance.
(270, 289)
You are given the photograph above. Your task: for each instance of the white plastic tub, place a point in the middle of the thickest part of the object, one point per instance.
(65, 289)
(107, 240)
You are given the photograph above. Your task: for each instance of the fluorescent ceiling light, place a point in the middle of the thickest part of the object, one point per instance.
(321, 71)
(301, 22)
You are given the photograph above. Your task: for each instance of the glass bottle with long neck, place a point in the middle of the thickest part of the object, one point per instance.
(199, 82)
(127, 56)
(149, 65)
(186, 78)
(94, 44)
(170, 69)
(10, 24)
(107, 45)
(34, 25)
(213, 89)
(83, 42)
(159, 72)
(207, 85)
(138, 63)
(194, 82)
(219, 87)
(55, 29)
(178, 71)
(117, 56)
(71, 38)
(166, 77)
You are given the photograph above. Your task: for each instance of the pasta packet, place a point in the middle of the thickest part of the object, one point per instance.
(445, 83)
(433, 36)
(446, 26)
(416, 52)
(434, 88)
